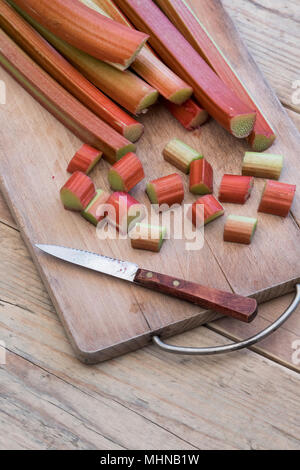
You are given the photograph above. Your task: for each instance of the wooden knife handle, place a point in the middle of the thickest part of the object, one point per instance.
(233, 305)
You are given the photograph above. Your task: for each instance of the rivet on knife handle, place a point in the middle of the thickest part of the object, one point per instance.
(233, 305)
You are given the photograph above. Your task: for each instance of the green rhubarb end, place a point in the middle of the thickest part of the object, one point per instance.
(152, 193)
(134, 132)
(87, 213)
(181, 96)
(215, 216)
(200, 188)
(263, 165)
(115, 180)
(124, 150)
(149, 100)
(70, 201)
(241, 126)
(261, 143)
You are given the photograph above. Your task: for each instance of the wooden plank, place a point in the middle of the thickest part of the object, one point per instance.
(85, 303)
(58, 415)
(271, 31)
(147, 398)
(20, 285)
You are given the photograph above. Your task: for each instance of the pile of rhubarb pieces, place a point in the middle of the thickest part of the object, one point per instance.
(79, 192)
(97, 64)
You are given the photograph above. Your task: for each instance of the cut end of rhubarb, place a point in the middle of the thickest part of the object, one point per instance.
(115, 180)
(134, 132)
(181, 96)
(242, 126)
(152, 193)
(124, 150)
(260, 143)
(92, 213)
(77, 192)
(147, 101)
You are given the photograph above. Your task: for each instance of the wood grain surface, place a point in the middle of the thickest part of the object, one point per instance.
(50, 400)
(85, 301)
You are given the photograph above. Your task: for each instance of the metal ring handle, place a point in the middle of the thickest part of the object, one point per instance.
(233, 346)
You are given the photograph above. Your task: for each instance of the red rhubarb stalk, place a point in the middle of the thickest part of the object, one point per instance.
(67, 75)
(95, 211)
(126, 173)
(167, 190)
(201, 177)
(84, 160)
(216, 97)
(235, 188)
(239, 229)
(124, 211)
(149, 66)
(84, 28)
(277, 198)
(77, 192)
(125, 88)
(60, 103)
(189, 114)
(187, 22)
(205, 210)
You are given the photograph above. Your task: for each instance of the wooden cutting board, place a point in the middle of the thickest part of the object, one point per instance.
(106, 317)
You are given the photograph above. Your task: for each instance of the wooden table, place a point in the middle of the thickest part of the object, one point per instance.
(148, 399)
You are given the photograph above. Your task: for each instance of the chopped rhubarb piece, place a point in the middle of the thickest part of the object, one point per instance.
(93, 212)
(180, 155)
(147, 64)
(201, 177)
(188, 23)
(77, 192)
(167, 190)
(147, 237)
(239, 229)
(235, 188)
(205, 210)
(277, 198)
(262, 165)
(126, 173)
(211, 92)
(84, 28)
(189, 114)
(125, 211)
(84, 160)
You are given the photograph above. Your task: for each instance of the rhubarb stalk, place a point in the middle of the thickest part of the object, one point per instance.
(125, 211)
(189, 114)
(201, 177)
(95, 211)
(239, 229)
(67, 75)
(187, 22)
(167, 190)
(216, 97)
(60, 103)
(277, 198)
(205, 210)
(262, 165)
(77, 192)
(84, 160)
(235, 188)
(126, 173)
(147, 237)
(125, 88)
(85, 29)
(148, 65)
(180, 155)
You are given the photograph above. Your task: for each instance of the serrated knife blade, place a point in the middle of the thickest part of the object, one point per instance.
(102, 264)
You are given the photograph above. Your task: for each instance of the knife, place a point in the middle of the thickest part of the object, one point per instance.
(233, 305)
